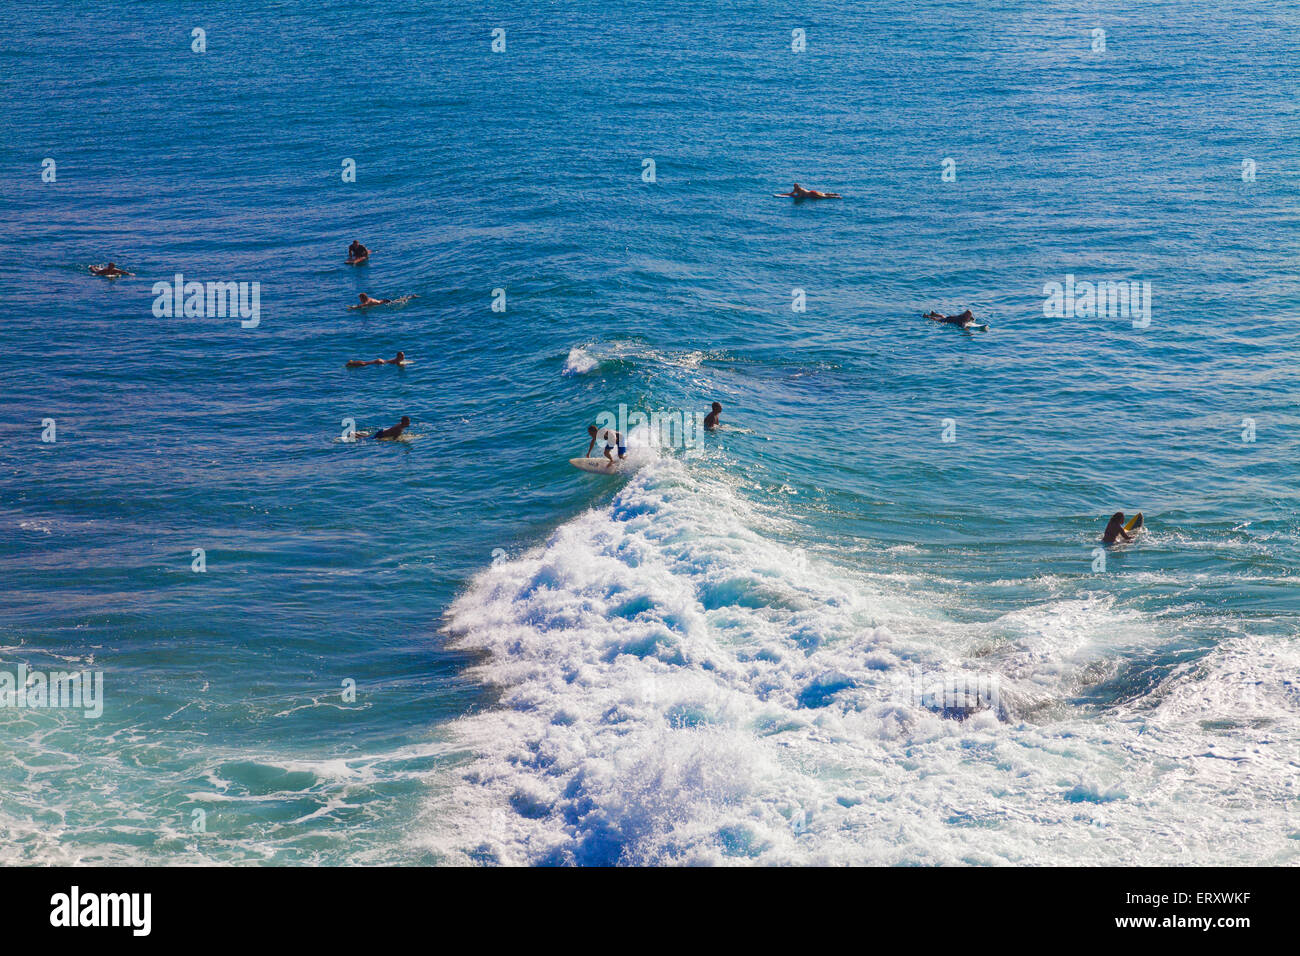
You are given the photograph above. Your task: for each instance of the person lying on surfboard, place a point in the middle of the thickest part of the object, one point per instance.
(612, 440)
(357, 253)
(1115, 529)
(393, 431)
(798, 192)
(109, 271)
(964, 319)
(711, 419)
(365, 302)
(399, 360)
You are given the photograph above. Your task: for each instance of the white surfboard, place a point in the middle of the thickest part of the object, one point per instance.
(599, 466)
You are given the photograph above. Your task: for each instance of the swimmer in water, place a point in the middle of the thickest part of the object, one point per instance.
(393, 431)
(612, 440)
(357, 253)
(711, 419)
(110, 271)
(399, 360)
(798, 192)
(1115, 529)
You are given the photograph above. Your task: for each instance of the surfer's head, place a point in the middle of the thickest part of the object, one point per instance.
(405, 421)
(591, 430)
(1115, 524)
(401, 356)
(717, 406)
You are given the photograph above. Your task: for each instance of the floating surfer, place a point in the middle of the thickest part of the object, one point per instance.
(357, 253)
(393, 431)
(798, 192)
(110, 271)
(612, 440)
(366, 302)
(1116, 529)
(399, 360)
(965, 319)
(711, 419)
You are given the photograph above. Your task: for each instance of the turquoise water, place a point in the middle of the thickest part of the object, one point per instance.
(717, 656)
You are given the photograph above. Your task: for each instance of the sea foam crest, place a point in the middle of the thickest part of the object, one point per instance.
(656, 659)
(579, 362)
(678, 685)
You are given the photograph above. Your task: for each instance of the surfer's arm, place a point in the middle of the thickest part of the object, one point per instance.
(589, 448)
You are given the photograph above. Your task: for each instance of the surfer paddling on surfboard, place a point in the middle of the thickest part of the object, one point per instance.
(393, 431)
(1117, 529)
(965, 319)
(399, 360)
(798, 192)
(357, 253)
(109, 271)
(366, 302)
(612, 440)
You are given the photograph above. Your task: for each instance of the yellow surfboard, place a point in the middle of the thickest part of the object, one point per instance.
(1134, 523)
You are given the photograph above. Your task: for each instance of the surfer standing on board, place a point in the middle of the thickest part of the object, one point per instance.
(612, 440)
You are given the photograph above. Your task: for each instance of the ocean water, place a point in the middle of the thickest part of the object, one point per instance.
(728, 653)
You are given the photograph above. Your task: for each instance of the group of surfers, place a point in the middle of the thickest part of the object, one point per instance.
(611, 439)
(357, 254)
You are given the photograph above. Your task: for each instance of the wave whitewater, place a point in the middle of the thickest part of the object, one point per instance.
(678, 686)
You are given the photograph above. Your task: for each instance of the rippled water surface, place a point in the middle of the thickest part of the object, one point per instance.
(728, 653)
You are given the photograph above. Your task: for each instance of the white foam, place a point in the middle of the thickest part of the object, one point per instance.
(579, 362)
(677, 685)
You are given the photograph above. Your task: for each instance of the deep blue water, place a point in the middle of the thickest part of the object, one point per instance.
(712, 657)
